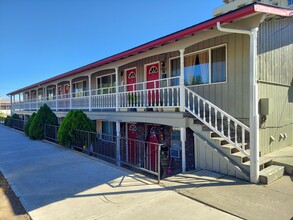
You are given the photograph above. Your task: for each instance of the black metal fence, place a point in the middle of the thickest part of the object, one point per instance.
(17, 124)
(50, 132)
(138, 154)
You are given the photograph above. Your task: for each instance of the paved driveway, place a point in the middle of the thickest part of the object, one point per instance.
(55, 183)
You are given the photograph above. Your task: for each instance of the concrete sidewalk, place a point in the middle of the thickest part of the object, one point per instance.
(240, 198)
(55, 183)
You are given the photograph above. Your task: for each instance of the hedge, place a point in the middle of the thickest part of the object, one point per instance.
(75, 119)
(7, 121)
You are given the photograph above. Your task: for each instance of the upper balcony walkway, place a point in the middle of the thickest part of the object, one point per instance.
(163, 93)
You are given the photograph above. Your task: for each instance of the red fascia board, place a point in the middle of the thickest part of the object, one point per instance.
(237, 14)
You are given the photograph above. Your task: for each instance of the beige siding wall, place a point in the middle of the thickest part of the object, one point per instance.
(275, 55)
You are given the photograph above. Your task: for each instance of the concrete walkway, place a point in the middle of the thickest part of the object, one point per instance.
(55, 183)
(240, 198)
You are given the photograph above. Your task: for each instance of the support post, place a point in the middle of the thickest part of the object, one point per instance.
(90, 92)
(70, 94)
(56, 97)
(11, 105)
(183, 140)
(29, 98)
(254, 117)
(118, 135)
(181, 81)
(117, 84)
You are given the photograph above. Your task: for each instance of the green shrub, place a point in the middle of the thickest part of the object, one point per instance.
(43, 116)
(28, 123)
(74, 120)
(8, 121)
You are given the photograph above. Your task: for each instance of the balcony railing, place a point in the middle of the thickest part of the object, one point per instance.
(163, 93)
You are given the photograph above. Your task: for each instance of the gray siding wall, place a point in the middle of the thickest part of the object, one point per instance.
(233, 96)
(275, 72)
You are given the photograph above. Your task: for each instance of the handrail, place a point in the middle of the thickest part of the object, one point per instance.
(203, 110)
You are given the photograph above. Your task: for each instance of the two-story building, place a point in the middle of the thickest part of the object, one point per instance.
(219, 92)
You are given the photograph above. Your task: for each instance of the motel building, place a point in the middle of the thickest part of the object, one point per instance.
(216, 96)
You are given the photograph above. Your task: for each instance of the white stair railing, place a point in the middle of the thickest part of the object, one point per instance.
(229, 128)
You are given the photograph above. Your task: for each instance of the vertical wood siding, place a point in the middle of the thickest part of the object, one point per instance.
(275, 70)
(233, 96)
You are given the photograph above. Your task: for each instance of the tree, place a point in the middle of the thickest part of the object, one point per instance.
(28, 123)
(44, 116)
(75, 119)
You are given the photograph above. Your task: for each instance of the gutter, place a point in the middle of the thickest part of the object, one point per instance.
(253, 118)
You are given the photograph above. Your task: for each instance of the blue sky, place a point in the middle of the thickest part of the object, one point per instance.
(40, 39)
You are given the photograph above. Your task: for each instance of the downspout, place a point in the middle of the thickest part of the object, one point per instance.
(253, 117)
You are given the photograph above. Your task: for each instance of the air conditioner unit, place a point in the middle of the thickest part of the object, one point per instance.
(175, 152)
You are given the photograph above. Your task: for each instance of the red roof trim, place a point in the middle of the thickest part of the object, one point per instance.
(242, 12)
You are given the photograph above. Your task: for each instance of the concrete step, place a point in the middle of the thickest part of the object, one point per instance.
(270, 174)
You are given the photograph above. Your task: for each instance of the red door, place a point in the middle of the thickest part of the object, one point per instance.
(153, 73)
(131, 79)
(132, 144)
(131, 86)
(152, 149)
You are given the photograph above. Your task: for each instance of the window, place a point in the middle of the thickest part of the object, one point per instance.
(107, 82)
(196, 69)
(290, 2)
(51, 94)
(79, 88)
(108, 130)
(208, 66)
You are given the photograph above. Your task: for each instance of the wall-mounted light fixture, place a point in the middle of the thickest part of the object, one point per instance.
(163, 66)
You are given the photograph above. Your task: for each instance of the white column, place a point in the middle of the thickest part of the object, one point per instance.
(181, 81)
(118, 134)
(29, 98)
(45, 94)
(70, 94)
(117, 84)
(90, 93)
(183, 140)
(11, 105)
(254, 117)
(56, 97)
(37, 98)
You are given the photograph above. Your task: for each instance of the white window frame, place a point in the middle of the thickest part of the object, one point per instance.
(101, 76)
(210, 62)
(82, 93)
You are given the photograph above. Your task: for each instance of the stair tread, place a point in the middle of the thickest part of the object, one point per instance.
(240, 154)
(262, 161)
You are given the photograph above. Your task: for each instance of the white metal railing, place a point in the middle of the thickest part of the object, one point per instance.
(158, 93)
(162, 93)
(229, 128)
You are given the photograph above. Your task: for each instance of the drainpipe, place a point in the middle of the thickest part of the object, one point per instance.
(253, 117)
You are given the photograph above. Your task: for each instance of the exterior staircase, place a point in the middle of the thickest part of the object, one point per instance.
(228, 137)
